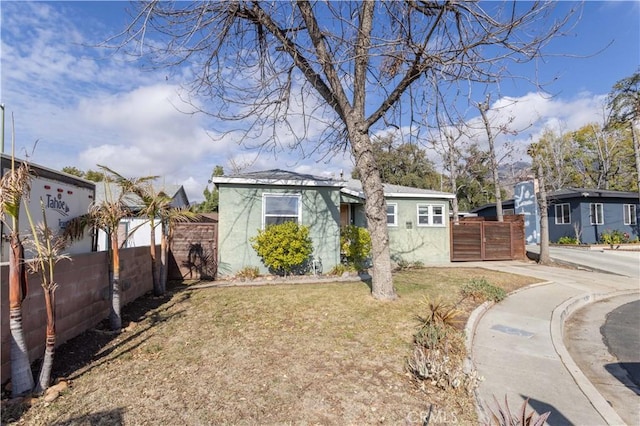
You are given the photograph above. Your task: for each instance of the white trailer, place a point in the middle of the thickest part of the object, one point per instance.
(65, 197)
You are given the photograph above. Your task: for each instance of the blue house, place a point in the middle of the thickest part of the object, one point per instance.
(584, 213)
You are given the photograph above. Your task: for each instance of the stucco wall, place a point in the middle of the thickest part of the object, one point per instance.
(81, 298)
(413, 243)
(240, 218)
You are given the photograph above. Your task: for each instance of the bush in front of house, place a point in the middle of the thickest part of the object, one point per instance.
(614, 237)
(355, 246)
(285, 248)
(566, 240)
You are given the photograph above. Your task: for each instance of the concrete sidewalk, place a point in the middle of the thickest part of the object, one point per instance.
(518, 346)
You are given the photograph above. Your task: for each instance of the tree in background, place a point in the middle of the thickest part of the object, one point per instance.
(624, 107)
(403, 164)
(92, 175)
(474, 184)
(210, 203)
(357, 66)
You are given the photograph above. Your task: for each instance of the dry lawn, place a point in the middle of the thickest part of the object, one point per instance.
(277, 354)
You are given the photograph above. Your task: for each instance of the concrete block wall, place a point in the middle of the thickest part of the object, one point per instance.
(81, 300)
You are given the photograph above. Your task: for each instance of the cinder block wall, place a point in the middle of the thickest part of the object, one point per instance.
(81, 300)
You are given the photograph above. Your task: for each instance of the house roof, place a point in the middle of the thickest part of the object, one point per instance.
(568, 193)
(351, 187)
(106, 191)
(277, 177)
(354, 187)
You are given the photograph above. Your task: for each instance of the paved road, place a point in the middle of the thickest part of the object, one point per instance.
(621, 333)
(620, 262)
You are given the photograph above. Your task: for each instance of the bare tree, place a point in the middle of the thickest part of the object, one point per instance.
(350, 66)
(536, 151)
(624, 105)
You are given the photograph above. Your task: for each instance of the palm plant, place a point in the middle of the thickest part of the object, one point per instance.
(14, 185)
(47, 249)
(106, 216)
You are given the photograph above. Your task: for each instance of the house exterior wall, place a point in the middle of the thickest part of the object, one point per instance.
(613, 219)
(241, 218)
(411, 242)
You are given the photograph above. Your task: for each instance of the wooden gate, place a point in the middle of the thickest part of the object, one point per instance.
(482, 238)
(194, 250)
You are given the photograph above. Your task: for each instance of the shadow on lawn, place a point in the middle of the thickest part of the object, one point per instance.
(96, 346)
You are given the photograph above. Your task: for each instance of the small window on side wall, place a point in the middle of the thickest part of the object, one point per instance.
(563, 214)
(280, 208)
(392, 214)
(596, 214)
(431, 215)
(629, 211)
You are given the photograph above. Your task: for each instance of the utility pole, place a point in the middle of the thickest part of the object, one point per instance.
(2, 136)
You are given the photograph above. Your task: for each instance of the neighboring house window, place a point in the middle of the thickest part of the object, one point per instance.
(430, 215)
(630, 217)
(508, 212)
(596, 214)
(392, 214)
(279, 209)
(563, 214)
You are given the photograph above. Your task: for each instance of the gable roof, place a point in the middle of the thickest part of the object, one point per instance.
(277, 177)
(112, 191)
(354, 187)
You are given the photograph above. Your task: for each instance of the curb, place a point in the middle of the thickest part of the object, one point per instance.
(558, 317)
(470, 334)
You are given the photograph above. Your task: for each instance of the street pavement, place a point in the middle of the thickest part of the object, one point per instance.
(518, 345)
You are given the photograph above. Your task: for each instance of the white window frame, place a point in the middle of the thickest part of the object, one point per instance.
(629, 214)
(597, 210)
(560, 217)
(394, 206)
(430, 215)
(297, 216)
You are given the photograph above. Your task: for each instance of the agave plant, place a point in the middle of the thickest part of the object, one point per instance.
(47, 249)
(502, 415)
(15, 185)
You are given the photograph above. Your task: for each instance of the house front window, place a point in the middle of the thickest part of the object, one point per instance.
(563, 214)
(277, 209)
(431, 215)
(392, 214)
(630, 217)
(596, 214)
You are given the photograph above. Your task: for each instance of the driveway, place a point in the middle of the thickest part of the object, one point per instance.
(620, 262)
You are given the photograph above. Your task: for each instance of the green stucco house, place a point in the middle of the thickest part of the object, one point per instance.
(418, 218)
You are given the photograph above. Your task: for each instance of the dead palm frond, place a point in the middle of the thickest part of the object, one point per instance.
(14, 186)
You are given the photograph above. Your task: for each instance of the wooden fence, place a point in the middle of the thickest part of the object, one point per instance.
(484, 238)
(194, 251)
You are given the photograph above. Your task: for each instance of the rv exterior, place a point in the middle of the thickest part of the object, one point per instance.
(64, 197)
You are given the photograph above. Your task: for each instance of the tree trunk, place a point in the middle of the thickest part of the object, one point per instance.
(157, 287)
(164, 248)
(50, 344)
(21, 376)
(484, 107)
(544, 258)
(452, 182)
(635, 137)
(376, 213)
(115, 319)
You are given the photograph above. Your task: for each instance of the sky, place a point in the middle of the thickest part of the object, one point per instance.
(86, 106)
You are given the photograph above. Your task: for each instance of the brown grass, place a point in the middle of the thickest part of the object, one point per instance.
(277, 354)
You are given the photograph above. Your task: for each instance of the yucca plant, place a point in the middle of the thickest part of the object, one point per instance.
(14, 185)
(441, 312)
(502, 415)
(47, 249)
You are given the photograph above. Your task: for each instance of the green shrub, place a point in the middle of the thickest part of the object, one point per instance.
(285, 248)
(480, 288)
(612, 237)
(355, 245)
(568, 240)
(430, 335)
(340, 269)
